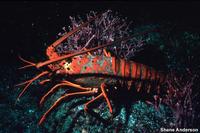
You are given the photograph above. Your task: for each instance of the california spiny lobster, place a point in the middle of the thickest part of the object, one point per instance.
(95, 71)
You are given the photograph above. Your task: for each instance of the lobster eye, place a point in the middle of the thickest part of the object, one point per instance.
(67, 66)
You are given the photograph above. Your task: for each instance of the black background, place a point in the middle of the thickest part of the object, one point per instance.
(27, 26)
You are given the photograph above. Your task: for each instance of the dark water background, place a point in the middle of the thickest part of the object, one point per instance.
(27, 28)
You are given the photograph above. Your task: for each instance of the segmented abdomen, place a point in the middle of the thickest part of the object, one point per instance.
(133, 70)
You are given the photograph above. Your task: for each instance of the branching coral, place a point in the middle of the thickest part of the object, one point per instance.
(103, 30)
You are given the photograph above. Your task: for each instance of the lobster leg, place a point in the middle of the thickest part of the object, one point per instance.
(29, 82)
(107, 54)
(103, 85)
(58, 101)
(76, 85)
(91, 101)
(56, 87)
(44, 81)
(53, 89)
(103, 94)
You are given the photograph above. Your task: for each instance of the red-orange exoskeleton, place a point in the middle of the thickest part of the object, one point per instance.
(94, 71)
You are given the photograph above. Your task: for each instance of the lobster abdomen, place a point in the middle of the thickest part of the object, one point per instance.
(133, 70)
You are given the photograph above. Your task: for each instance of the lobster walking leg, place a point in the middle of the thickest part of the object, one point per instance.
(103, 85)
(44, 81)
(107, 54)
(58, 101)
(53, 89)
(76, 85)
(29, 82)
(91, 101)
(56, 87)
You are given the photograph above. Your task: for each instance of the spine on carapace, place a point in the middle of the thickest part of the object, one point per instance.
(133, 70)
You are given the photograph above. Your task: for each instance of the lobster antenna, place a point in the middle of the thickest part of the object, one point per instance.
(41, 64)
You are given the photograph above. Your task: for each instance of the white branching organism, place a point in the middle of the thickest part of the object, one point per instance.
(102, 30)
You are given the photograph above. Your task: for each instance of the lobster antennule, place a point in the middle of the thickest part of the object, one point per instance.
(30, 64)
(41, 64)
